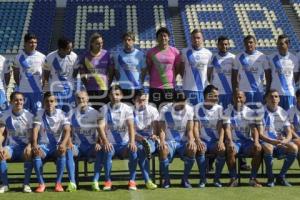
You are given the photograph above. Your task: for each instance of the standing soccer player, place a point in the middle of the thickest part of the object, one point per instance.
(130, 67)
(194, 67)
(5, 76)
(51, 133)
(28, 73)
(60, 71)
(96, 71)
(163, 62)
(176, 137)
(117, 134)
(15, 135)
(248, 73)
(220, 70)
(284, 67)
(277, 138)
(209, 134)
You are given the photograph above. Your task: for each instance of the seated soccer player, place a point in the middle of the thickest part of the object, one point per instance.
(15, 130)
(116, 131)
(277, 138)
(50, 135)
(241, 137)
(209, 134)
(176, 137)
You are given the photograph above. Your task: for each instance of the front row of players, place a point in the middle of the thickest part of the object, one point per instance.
(190, 132)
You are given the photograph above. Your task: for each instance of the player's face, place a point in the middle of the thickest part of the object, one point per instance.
(250, 45)
(64, 52)
(31, 45)
(82, 99)
(273, 100)
(283, 45)
(223, 46)
(128, 43)
(212, 97)
(197, 40)
(97, 45)
(18, 102)
(115, 96)
(50, 103)
(163, 39)
(239, 99)
(140, 102)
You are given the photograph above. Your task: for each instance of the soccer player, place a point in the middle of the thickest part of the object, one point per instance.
(96, 71)
(60, 71)
(116, 131)
(27, 70)
(248, 72)
(84, 125)
(130, 67)
(194, 67)
(284, 67)
(241, 137)
(15, 131)
(5, 76)
(220, 70)
(209, 134)
(277, 138)
(163, 62)
(50, 135)
(146, 126)
(176, 137)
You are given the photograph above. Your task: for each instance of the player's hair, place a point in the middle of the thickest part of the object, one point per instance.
(297, 93)
(222, 38)
(14, 94)
(47, 95)
(284, 36)
(63, 42)
(29, 36)
(139, 93)
(94, 37)
(128, 34)
(208, 89)
(114, 88)
(195, 31)
(162, 30)
(179, 96)
(81, 91)
(249, 37)
(270, 92)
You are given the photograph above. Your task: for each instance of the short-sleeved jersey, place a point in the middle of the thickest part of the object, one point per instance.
(84, 125)
(130, 66)
(115, 118)
(240, 122)
(222, 71)
(61, 71)
(195, 68)
(162, 64)
(208, 119)
(251, 69)
(276, 122)
(30, 71)
(294, 118)
(51, 126)
(143, 120)
(18, 126)
(176, 122)
(283, 69)
(96, 69)
(4, 68)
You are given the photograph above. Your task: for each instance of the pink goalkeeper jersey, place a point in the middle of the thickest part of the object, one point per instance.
(162, 67)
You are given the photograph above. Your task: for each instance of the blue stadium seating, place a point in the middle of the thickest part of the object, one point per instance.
(236, 19)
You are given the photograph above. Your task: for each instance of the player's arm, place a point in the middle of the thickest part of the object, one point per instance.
(228, 135)
(46, 75)
(2, 138)
(255, 136)
(131, 131)
(220, 130)
(210, 71)
(234, 79)
(294, 134)
(196, 134)
(190, 135)
(289, 135)
(268, 74)
(262, 136)
(296, 77)
(67, 134)
(34, 138)
(102, 135)
(162, 134)
(16, 72)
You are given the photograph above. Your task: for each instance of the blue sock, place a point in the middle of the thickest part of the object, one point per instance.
(28, 166)
(188, 165)
(70, 165)
(144, 165)
(289, 159)
(60, 168)
(132, 165)
(3, 168)
(220, 161)
(98, 165)
(268, 158)
(202, 166)
(164, 168)
(38, 168)
(107, 164)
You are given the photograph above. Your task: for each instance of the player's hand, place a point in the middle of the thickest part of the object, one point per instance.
(220, 146)
(230, 145)
(162, 145)
(191, 146)
(97, 147)
(62, 148)
(2, 153)
(257, 146)
(132, 146)
(200, 145)
(107, 146)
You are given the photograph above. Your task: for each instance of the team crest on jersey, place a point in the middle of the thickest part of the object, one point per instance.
(39, 104)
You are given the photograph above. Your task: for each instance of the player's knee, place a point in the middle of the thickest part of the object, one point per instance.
(267, 148)
(292, 148)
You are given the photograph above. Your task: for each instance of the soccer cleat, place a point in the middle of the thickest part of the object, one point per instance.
(202, 184)
(107, 185)
(217, 183)
(58, 187)
(95, 186)
(185, 183)
(233, 182)
(282, 181)
(166, 184)
(132, 185)
(41, 188)
(27, 189)
(71, 187)
(254, 183)
(150, 185)
(3, 189)
(270, 183)
(147, 148)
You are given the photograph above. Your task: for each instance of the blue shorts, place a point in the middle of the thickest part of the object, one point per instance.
(16, 152)
(194, 97)
(84, 150)
(225, 100)
(253, 99)
(243, 147)
(278, 152)
(286, 102)
(153, 145)
(65, 100)
(118, 149)
(176, 148)
(3, 101)
(210, 146)
(33, 101)
(48, 150)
